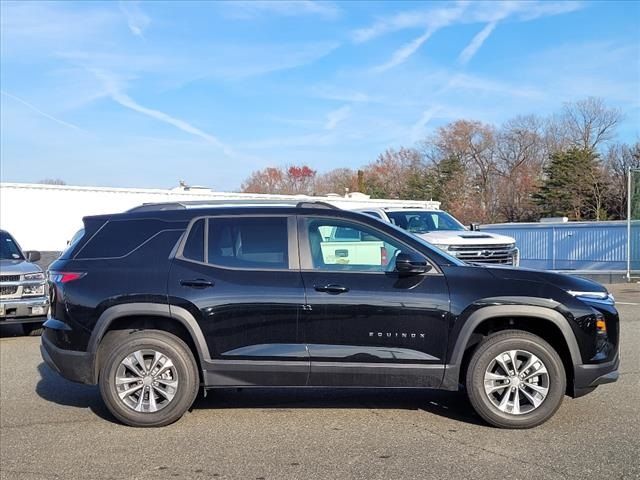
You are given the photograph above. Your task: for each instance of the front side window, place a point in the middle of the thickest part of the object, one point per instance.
(339, 245)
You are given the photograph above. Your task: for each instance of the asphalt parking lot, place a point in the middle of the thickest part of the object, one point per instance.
(51, 428)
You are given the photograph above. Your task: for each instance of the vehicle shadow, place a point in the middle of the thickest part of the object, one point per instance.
(453, 405)
(53, 388)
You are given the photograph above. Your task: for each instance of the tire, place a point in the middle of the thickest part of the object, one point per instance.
(527, 406)
(146, 406)
(32, 329)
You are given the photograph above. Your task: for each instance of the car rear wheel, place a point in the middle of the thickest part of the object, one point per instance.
(515, 380)
(148, 378)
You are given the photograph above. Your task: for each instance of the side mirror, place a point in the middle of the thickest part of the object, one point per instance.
(474, 227)
(32, 255)
(406, 263)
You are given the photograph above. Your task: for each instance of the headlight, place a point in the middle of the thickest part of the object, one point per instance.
(597, 297)
(441, 247)
(33, 290)
(34, 276)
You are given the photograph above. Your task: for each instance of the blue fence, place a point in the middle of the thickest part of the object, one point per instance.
(600, 246)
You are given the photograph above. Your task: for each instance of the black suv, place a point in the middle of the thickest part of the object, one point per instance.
(154, 303)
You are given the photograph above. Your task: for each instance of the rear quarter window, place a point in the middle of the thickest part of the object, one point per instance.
(118, 238)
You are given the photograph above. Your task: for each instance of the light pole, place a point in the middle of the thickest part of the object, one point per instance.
(630, 171)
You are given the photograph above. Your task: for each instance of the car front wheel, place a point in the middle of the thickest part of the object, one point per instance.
(515, 380)
(148, 378)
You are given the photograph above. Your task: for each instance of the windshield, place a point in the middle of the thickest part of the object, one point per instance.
(416, 221)
(9, 250)
(451, 259)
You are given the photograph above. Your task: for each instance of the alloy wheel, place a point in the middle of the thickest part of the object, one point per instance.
(516, 382)
(146, 381)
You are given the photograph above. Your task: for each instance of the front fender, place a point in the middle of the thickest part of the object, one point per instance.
(488, 309)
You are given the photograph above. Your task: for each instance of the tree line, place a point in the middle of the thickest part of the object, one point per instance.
(566, 164)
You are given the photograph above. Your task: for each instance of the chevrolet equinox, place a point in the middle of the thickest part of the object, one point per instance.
(157, 303)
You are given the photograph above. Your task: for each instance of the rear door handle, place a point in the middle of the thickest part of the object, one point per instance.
(197, 283)
(331, 288)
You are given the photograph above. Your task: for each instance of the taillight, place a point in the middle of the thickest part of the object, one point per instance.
(383, 257)
(65, 277)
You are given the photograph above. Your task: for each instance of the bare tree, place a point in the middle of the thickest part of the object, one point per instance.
(618, 159)
(473, 144)
(339, 180)
(520, 156)
(388, 175)
(268, 180)
(589, 122)
(290, 180)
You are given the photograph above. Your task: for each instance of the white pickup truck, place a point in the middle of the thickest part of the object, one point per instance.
(445, 232)
(345, 246)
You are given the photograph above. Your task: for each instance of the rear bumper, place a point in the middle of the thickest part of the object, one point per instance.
(588, 377)
(72, 365)
(23, 310)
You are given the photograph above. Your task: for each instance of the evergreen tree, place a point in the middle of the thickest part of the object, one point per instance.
(572, 186)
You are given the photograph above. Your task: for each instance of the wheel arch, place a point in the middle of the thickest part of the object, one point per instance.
(174, 319)
(542, 321)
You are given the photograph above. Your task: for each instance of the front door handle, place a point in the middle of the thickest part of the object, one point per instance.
(331, 288)
(197, 283)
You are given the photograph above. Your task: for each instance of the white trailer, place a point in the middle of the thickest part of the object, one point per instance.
(45, 217)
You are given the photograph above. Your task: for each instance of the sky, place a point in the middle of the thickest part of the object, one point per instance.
(144, 94)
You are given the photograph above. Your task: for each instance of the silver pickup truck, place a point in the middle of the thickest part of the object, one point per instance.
(23, 296)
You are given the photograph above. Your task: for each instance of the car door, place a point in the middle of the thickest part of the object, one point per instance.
(239, 276)
(365, 324)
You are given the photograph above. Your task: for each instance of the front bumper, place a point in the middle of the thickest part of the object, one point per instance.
(72, 365)
(22, 310)
(588, 377)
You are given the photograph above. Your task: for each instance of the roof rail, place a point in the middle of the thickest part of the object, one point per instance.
(324, 205)
(149, 207)
(183, 205)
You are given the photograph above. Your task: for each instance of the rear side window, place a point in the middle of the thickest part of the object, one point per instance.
(248, 242)
(194, 246)
(240, 242)
(119, 238)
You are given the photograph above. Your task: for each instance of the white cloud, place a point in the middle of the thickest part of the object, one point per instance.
(403, 53)
(418, 128)
(137, 20)
(461, 12)
(431, 19)
(437, 19)
(337, 116)
(113, 88)
(40, 112)
(475, 44)
(243, 61)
